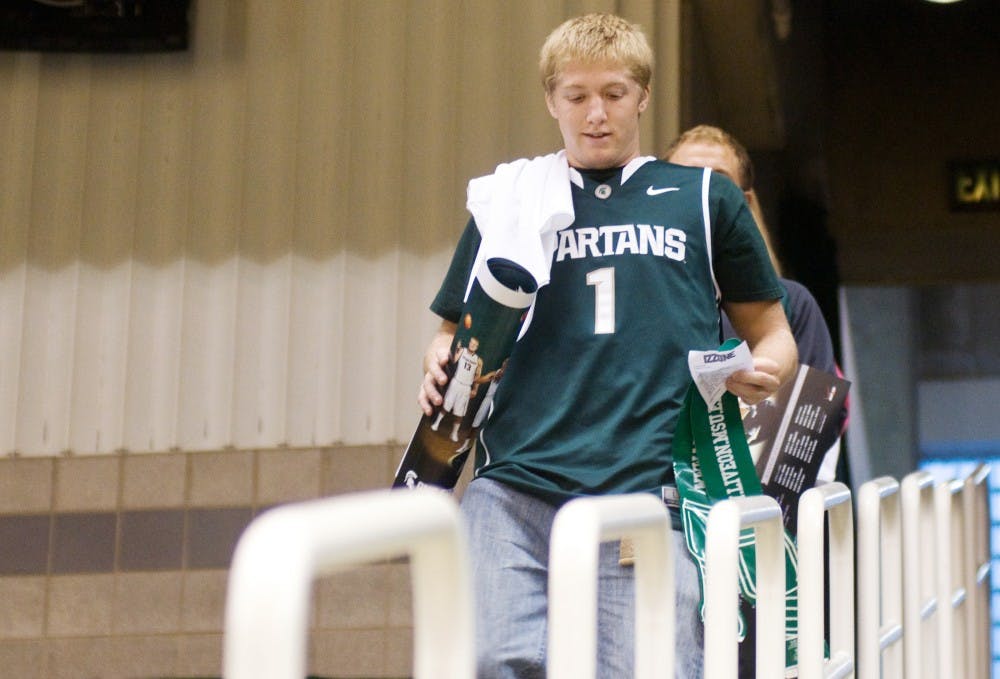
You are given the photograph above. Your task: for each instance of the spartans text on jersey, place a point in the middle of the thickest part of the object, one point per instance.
(636, 239)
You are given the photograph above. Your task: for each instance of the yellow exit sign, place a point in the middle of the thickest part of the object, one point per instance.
(975, 184)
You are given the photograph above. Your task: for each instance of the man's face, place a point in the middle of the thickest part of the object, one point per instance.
(707, 154)
(473, 344)
(597, 107)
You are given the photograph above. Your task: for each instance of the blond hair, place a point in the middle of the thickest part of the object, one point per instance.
(708, 134)
(593, 39)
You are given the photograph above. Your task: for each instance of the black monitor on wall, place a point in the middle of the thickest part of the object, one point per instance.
(94, 25)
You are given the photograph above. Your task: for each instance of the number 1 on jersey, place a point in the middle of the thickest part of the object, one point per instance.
(603, 281)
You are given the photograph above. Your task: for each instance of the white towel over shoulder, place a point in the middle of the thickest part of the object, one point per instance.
(518, 209)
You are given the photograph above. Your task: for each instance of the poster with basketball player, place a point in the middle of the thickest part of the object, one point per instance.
(491, 320)
(790, 433)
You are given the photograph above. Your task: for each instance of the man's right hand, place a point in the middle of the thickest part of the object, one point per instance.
(435, 359)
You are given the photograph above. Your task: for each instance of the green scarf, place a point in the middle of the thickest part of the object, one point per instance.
(712, 462)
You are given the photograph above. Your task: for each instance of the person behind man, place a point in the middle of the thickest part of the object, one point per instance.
(712, 147)
(709, 146)
(594, 386)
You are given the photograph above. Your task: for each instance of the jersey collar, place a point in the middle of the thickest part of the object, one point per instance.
(627, 171)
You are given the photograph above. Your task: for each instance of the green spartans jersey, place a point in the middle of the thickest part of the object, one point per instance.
(592, 391)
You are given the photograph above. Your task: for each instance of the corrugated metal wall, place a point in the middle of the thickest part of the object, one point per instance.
(235, 246)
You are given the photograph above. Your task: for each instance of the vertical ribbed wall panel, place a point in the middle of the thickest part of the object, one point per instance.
(215, 210)
(322, 215)
(269, 176)
(207, 347)
(55, 232)
(375, 219)
(236, 245)
(154, 332)
(17, 137)
(108, 221)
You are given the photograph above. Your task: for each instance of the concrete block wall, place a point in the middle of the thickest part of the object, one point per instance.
(115, 566)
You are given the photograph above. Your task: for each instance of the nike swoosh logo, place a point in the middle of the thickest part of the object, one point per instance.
(655, 192)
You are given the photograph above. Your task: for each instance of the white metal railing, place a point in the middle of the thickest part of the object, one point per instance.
(952, 595)
(579, 528)
(975, 509)
(920, 597)
(284, 549)
(879, 580)
(940, 531)
(829, 504)
(722, 537)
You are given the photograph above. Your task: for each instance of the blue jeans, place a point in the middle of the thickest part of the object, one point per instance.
(509, 544)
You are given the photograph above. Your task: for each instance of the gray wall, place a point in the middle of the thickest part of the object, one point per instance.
(925, 374)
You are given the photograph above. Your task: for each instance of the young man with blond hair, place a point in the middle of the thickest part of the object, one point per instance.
(592, 391)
